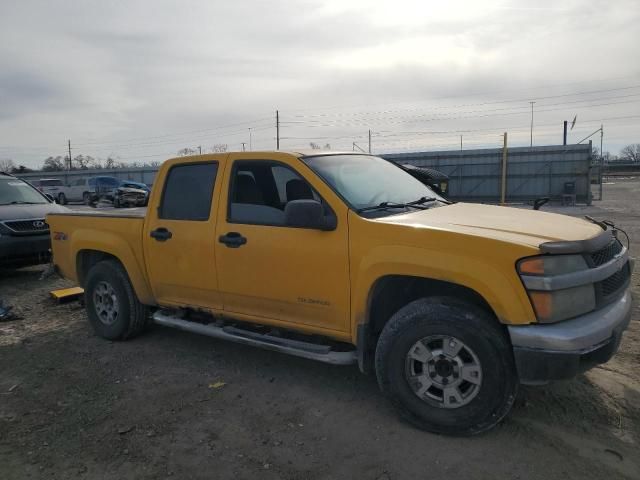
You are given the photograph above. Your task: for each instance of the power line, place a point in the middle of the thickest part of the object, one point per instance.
(495, 102)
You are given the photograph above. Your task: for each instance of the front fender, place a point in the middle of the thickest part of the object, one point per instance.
(494, 279)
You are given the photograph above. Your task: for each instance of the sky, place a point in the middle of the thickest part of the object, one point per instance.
(140, 80)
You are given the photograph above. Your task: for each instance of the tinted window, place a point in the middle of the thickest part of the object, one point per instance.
(79, 182)
(188, 191)
(92, 182)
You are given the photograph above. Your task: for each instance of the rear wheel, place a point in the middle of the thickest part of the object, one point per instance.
(62, 200)
(112, 306)
(446, 366)
(86, 198)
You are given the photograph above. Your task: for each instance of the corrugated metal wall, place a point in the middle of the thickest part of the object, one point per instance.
(142, 174)
(475, 175)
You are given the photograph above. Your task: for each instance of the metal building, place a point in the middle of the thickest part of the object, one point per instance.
(474, 175)
(532, 172)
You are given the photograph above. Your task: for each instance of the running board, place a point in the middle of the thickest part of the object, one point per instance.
(312, 351)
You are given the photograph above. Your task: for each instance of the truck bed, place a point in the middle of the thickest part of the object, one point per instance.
(117, 232)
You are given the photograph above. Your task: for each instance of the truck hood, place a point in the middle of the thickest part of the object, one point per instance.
(514, 225)
(24, 212)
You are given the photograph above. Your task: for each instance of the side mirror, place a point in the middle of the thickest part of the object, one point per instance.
(50, 197)
(308, 214)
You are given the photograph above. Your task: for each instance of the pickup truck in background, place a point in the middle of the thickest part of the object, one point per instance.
(347, 258)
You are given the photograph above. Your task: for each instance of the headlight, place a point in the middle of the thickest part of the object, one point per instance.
(550, 265)
(554, 306)
(557, 305)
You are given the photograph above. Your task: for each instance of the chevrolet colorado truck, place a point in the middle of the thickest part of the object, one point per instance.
(347, 258)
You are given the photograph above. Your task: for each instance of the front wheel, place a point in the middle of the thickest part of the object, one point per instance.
(86, 198)
(112, 306)
(62, 200)
(447, 366)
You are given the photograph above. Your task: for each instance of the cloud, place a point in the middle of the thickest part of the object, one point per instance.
(174, 72)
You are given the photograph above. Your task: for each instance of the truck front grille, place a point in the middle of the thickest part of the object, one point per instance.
(610, 287)
(606, 254)
(36, 225)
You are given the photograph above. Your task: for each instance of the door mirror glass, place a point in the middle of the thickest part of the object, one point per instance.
(308, 214)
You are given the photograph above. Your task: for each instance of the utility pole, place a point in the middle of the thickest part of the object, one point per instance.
(503, 189)
(532, 122)
(69, 154)
(277, 130)
(243, 144)
(564, 136)
(200, 149)
(601, 135)
(460, 142)
(250, 147)
(369, 140)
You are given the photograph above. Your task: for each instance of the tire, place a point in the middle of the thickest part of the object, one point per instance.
(86, 198)
(116, 203)
(62, 200)
(108, 285)
(462, 395)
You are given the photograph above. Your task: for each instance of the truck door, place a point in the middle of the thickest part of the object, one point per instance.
(268, 270)
(179, 236)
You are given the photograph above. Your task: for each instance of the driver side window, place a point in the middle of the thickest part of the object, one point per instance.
(260, 191)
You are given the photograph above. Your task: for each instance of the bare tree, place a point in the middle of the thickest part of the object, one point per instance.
(110, 162)
(7, 165)
(53, 164)
(21, 169)
(631, 153)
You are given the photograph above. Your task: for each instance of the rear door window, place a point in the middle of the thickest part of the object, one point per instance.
(188, 192)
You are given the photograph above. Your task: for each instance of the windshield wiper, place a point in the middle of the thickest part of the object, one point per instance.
(383, 205)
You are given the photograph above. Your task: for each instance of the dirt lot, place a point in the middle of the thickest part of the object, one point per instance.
(76, 406)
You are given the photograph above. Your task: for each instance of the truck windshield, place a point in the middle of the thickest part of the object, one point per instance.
(367, 182)
(14, 191)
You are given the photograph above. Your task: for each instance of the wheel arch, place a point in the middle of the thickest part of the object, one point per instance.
(390, 293)
(88, 257)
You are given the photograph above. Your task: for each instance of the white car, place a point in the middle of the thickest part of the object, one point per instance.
(54, 187)
(79, 190)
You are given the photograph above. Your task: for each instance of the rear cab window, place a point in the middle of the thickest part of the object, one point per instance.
(188, 192)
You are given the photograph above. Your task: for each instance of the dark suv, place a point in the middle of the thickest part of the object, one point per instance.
(24, 234)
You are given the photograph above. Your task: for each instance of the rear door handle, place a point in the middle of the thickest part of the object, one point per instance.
(232, 239)
(161, 234)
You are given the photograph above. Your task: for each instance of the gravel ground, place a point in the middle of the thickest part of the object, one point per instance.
(172, 404)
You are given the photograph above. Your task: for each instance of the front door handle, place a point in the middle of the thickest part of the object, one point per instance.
(161, 234)
(232, 239)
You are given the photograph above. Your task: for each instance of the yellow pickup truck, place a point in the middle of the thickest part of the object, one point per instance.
(347, 258)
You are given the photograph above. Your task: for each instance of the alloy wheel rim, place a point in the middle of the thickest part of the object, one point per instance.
(106, 304)
(443, 371)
